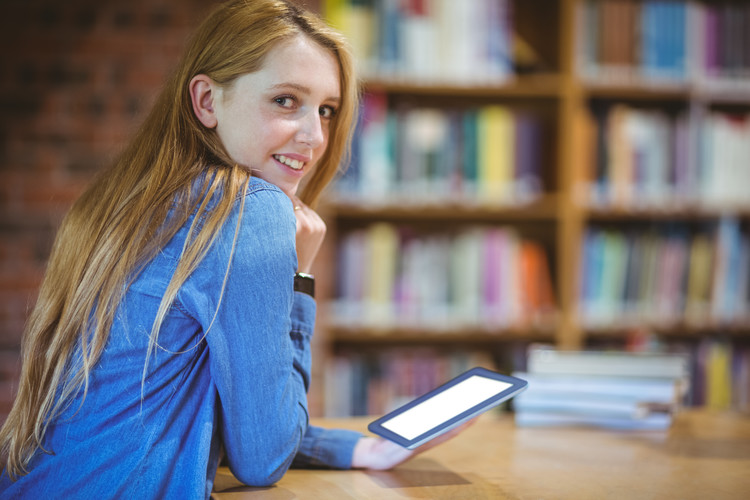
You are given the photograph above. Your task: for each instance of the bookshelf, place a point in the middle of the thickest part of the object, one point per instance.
(618, 157)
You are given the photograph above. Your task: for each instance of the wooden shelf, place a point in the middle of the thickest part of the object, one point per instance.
(415, 335)
(537, 86)
(677, 328)
(544, 208)
(638, 90)
(681, 212)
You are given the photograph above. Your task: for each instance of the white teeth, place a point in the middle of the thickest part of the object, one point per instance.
(295, 164)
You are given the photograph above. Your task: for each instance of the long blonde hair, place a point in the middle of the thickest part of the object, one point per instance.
(120, 222)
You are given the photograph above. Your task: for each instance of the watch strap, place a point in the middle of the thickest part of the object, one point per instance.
(304, 283)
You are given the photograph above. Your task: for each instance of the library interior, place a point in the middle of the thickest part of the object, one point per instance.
(550, 189)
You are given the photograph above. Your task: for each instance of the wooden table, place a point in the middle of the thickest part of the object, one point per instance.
(703, 456)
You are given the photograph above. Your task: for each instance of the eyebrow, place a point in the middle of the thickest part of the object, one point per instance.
(301, 88)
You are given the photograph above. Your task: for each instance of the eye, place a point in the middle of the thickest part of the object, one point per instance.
(285, 101)
(327, 111)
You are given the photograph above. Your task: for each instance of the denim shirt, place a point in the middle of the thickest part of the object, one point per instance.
(230, 370)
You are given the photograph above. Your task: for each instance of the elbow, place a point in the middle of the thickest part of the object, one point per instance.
(259, 478)
(266, 467)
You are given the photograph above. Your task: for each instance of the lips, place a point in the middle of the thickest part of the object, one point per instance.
(290, 162)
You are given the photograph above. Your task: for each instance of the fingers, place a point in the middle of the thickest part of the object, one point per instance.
(298, 205)
(311, 231)
(308, 220)
(381, 454)
(378, 454)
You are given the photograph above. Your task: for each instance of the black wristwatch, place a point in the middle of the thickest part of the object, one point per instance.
(304, 283)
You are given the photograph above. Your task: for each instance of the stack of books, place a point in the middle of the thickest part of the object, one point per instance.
(615, 390)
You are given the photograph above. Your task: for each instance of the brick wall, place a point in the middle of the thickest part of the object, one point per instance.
(76, 78)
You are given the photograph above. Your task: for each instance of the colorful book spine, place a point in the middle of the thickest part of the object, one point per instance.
(496, 153)
(720, 377)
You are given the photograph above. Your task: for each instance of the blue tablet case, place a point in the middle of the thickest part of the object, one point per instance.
(446, 407)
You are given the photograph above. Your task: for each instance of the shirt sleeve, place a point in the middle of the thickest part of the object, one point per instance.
(331, 448)
(258, 333)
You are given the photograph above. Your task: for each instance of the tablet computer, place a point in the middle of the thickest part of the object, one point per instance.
(446, 407)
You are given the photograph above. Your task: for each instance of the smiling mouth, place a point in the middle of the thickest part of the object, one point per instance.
(289, 162)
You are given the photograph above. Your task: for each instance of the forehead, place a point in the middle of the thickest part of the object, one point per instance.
(298, 62)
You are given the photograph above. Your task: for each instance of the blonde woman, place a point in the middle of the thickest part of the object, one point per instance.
(176, 313)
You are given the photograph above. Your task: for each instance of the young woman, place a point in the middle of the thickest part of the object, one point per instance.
(175, 317)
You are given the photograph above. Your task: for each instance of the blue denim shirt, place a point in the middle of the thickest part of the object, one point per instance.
(229, 370)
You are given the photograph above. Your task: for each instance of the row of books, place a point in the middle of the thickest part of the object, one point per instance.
(376, 383)
(428, 40)
(666, 274)
(478, 276)
(641, 157)
(665, 41)
(610, 389)
(490, 155)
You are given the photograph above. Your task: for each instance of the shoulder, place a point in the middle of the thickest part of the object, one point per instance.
(261, 225)
(261, 194)
(263, 207)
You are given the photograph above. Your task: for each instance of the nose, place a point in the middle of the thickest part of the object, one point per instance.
(311, 130)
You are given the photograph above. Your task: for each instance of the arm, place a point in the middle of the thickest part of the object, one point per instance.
(259, 338)
(345, 449)
(338, 448)
(331, 448)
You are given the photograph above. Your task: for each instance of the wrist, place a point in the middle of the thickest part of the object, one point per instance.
(305, 283)
(361, 453)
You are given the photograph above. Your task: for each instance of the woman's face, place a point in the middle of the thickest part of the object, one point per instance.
(276, 121)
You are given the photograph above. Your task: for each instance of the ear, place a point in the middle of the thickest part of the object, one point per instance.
(203, 90)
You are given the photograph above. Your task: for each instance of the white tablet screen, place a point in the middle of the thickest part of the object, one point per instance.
(442, 407)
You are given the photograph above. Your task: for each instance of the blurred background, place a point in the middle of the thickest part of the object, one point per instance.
(77, 78)
(527, 176)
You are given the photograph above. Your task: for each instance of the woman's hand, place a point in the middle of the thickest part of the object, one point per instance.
(311, 231)
(381, 454)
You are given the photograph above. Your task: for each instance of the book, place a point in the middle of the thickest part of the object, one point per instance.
(643, 390)
(381, 250)
(606, 363)
(718, 376)
(496, 153)
(653, 422)
(699, 281)
(375, 165)
(467, 271)
(536, 285)
(527, 162)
